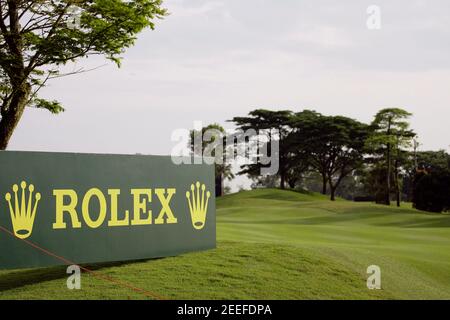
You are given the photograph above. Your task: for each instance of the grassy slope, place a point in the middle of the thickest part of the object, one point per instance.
(276, 244)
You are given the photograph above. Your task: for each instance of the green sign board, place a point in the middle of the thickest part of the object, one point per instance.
(87, 208)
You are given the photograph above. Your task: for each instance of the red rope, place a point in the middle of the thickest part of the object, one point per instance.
(95, 274)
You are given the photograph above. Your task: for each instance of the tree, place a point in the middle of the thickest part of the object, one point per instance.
(390, 135)
(269, 181)
(209, 136)
(432, 191)
(401, 160)
(311, 181)
(422, 163)
(37, 37)
(334, 145)
(302, 142)
(433, 160)
(261, 119)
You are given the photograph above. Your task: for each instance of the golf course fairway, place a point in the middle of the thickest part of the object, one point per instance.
(274, 244)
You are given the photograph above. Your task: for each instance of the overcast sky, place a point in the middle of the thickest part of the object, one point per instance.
(213, 60)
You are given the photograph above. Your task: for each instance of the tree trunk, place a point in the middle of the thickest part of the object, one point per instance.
(333, 193)
(292, 183)
(388, 177)
(219, 185)
(333, 188)
(397, 184)
(282, 175)
(324, 184)
(11, 116)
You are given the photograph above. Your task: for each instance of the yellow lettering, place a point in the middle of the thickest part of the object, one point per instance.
(140, 206)
(165, 209)
(69, 208)
(85, 208)
(115, 222)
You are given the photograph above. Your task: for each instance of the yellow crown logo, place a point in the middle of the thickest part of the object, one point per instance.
(23, 213)
(198, 204)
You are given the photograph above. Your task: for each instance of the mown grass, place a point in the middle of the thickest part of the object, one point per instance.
(275, 244)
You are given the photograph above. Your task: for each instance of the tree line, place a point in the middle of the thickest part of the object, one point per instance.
(340, 156)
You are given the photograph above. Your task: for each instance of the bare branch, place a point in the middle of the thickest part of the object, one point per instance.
(50, 77)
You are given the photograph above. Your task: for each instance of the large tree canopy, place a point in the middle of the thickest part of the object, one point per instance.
(334, 145)
(391, 136)
(38, 36)
(277, 126)
(210, 137)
